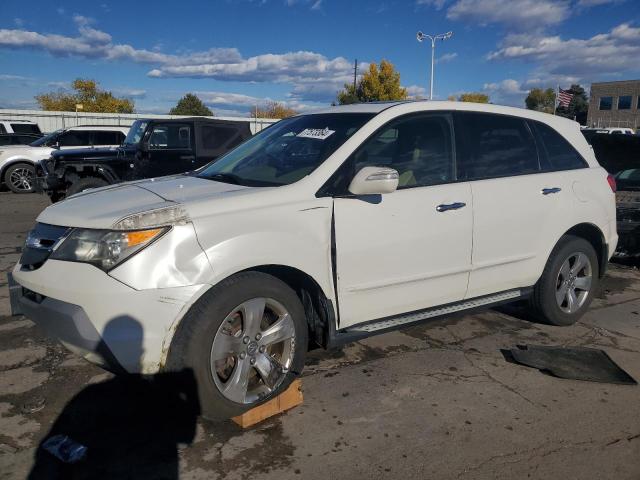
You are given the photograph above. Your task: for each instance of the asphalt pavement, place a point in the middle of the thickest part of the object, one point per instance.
(436, 401)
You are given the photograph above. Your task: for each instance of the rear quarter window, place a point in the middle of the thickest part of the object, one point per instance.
(558, 153)
(25, 128)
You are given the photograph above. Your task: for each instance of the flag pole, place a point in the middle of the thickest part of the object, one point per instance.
(555, 104)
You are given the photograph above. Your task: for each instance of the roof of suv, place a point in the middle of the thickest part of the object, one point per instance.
(378, 107)
(99, 127)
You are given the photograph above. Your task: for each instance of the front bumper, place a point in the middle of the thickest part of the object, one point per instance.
(100, 318)
(45, 179)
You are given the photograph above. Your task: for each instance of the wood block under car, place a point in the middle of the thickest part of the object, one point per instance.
(291, 397)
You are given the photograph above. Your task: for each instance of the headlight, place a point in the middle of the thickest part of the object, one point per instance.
(105, 248)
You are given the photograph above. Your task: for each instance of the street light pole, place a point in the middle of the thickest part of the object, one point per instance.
(443, 36)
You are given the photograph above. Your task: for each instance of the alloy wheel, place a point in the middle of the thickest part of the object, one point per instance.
(21, 179)
(574, 282)
(253, 350)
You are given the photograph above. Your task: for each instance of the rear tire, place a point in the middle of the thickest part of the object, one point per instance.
(568, 283)
(19, 178)
(85, 183)
(218, 341)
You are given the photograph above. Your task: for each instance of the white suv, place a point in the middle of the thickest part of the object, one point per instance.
(323, 228)
(17, 162)
(19, 126)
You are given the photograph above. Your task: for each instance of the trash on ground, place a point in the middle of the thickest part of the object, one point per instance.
(65, 449)
(576, 363)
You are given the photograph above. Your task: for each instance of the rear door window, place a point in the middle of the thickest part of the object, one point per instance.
(104, 137)
(559, 154)
(493, 146)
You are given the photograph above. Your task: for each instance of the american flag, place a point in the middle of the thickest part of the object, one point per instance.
(564, 98)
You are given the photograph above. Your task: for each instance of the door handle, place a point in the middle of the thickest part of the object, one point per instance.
(547, 191)
(450, 206)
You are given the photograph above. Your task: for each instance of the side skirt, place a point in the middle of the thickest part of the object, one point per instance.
(338, 338)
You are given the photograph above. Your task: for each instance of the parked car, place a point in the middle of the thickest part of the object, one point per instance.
(590, 133)
(620, 131)
(325, 228)
(153, 148)
(19, 126)
(17, 162)
(17, 139)
(620, 156)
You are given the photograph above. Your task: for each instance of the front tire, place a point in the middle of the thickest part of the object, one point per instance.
(85, 183)
(568, 283)
(245, 340)
(20, 177)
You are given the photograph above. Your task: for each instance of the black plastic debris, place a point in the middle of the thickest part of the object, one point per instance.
(65, 449)
(577, 363)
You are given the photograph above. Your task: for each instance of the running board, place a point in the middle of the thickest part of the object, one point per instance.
(394, 322)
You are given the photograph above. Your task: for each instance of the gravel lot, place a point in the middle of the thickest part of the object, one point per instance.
(435, 401)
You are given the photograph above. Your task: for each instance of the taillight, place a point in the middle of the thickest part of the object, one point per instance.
(612, 183)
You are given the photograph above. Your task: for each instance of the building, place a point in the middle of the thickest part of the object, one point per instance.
(615, 104)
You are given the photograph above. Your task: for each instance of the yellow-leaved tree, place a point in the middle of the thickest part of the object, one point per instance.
(273, 109)
(376, 85)
(86, 93)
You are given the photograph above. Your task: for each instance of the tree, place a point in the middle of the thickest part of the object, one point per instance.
(541, 100)
(376, 84)
(474, 97)
(578, 107)
(190, 104)
(86, 93)
(273, 109)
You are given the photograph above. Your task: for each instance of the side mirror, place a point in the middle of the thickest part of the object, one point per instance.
(56, 145)
(374, 181)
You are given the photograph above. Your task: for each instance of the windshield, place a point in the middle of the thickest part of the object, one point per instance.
(287, 151)
(49, 139)
(136, 132)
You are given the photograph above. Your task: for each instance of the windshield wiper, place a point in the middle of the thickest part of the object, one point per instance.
(225, 178)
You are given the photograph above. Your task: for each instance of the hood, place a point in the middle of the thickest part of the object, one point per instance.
(103, 207)
(88, 153)
(11, 150)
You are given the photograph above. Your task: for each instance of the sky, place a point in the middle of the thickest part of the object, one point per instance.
(235, 54)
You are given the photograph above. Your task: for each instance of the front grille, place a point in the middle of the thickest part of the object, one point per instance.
(39, 245)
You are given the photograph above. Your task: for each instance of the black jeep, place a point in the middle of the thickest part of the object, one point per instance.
(153, 148)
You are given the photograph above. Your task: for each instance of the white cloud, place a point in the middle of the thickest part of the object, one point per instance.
(515, 14)
(595, 3)
(506, 92)
(416, 92)
(447, 57)
(612, 53)
(130, 92)
(8, 77)
(246, 103)
(437, 4)
(313, 76)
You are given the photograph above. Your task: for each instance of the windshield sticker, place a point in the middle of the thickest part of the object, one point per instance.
(317, 133)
